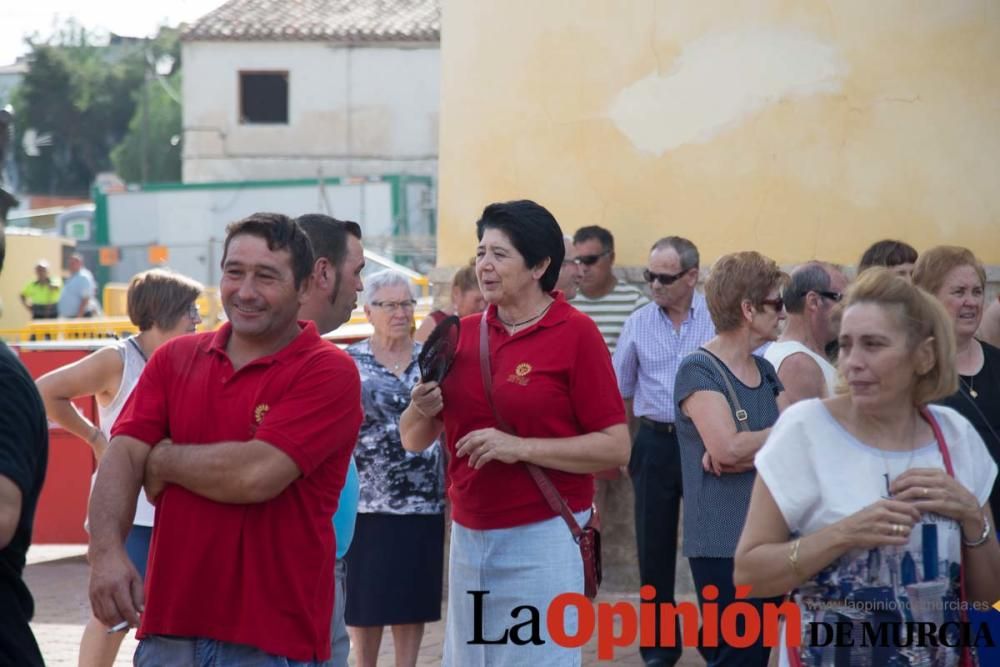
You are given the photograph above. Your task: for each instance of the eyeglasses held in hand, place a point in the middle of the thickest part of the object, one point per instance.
(393, 306)
(590, 260)
(662, 278)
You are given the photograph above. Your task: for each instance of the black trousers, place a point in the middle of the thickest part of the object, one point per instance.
(719, 572)
(655, 469)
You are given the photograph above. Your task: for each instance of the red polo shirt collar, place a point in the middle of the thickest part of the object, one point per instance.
(216, 344)
(557, 314)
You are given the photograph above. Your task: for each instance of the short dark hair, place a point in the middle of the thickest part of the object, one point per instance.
(686, 250)
(532, 230)
(887, 252)
(328, 235)
(595, 232)
(281, 233)
(160, 297)
(810, 277)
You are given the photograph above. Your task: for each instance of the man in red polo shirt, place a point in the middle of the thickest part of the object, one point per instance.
(243, 437)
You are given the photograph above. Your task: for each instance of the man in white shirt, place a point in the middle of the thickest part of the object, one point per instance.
(798, 355)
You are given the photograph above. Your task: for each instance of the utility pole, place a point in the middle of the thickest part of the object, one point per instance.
(144, 135)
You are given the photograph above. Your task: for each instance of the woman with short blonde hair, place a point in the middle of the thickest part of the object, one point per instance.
(860, 506)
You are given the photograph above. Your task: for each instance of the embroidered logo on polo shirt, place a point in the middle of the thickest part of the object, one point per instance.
(520, 374)
(259, 412)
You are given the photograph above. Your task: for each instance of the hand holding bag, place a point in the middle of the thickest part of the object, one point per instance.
(589, 537)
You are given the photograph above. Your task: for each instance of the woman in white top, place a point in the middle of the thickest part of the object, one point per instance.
(854, 507)
(162, 305)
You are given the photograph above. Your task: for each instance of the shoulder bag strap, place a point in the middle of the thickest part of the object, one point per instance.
(966, 657)
(545, 485)
(738, 412)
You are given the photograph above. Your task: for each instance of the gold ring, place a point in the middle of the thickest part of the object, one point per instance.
(926, 492)
(896, 529)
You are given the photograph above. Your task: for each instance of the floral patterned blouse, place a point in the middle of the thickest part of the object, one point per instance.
(393, 480)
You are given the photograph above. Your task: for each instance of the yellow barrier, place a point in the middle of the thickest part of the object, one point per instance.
(115, 299)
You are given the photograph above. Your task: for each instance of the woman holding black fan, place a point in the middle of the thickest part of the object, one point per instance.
(395, 563)
(548, 412)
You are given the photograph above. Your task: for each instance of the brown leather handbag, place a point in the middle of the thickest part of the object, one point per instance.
(589, 536)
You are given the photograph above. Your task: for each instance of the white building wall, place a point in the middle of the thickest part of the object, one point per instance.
(352, 111)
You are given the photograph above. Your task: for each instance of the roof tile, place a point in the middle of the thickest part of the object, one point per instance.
(320, 20)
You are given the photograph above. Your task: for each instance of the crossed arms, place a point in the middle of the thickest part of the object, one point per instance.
(226, 472)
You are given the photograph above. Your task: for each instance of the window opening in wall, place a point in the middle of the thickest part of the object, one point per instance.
(264, 97)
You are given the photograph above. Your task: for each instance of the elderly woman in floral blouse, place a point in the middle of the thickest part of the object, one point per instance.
(395, 563)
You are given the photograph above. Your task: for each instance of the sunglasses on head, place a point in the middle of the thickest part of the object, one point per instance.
(662, 278)
(590, 260)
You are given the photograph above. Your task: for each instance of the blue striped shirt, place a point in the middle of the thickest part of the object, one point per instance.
(650, 351)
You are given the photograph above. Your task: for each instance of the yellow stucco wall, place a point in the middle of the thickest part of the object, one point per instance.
(798, 128)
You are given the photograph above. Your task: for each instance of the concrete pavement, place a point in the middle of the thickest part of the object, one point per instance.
(57, 577)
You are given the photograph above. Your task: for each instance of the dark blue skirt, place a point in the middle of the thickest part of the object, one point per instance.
(395, 568)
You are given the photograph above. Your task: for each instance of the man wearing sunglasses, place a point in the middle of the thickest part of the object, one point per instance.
(607, 300)
(569, 273)
(798, 355)
(653, 342)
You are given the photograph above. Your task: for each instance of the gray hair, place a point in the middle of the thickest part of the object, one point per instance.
(686, 250)
(387, 278)
(810, 277)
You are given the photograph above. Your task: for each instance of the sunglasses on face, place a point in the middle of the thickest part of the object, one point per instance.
(662, 278)
(832, 296)
(779, 304)
(590, 260)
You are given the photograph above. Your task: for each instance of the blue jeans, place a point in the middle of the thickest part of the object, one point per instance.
(340, 642)
(163, 651)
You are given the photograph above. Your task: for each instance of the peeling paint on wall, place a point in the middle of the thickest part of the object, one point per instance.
(721, 80)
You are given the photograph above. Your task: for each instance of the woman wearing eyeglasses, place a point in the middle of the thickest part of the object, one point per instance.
(726, 403)
(162, 305)
(396, 561)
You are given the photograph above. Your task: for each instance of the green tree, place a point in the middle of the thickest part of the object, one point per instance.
(163, 149)
(84, 96)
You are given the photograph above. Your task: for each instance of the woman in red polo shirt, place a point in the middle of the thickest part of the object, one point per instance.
(553, 384)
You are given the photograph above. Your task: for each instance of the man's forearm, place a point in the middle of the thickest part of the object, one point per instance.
(226, 472)
(112, 503)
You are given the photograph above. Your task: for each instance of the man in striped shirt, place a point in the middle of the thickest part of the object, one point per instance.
(654, 341)
(607, 300)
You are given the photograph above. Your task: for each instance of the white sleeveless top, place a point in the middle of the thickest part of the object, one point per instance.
(133, 363)
(778, 352)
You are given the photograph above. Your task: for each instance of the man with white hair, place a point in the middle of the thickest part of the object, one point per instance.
(799, 354)
(569, 273)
